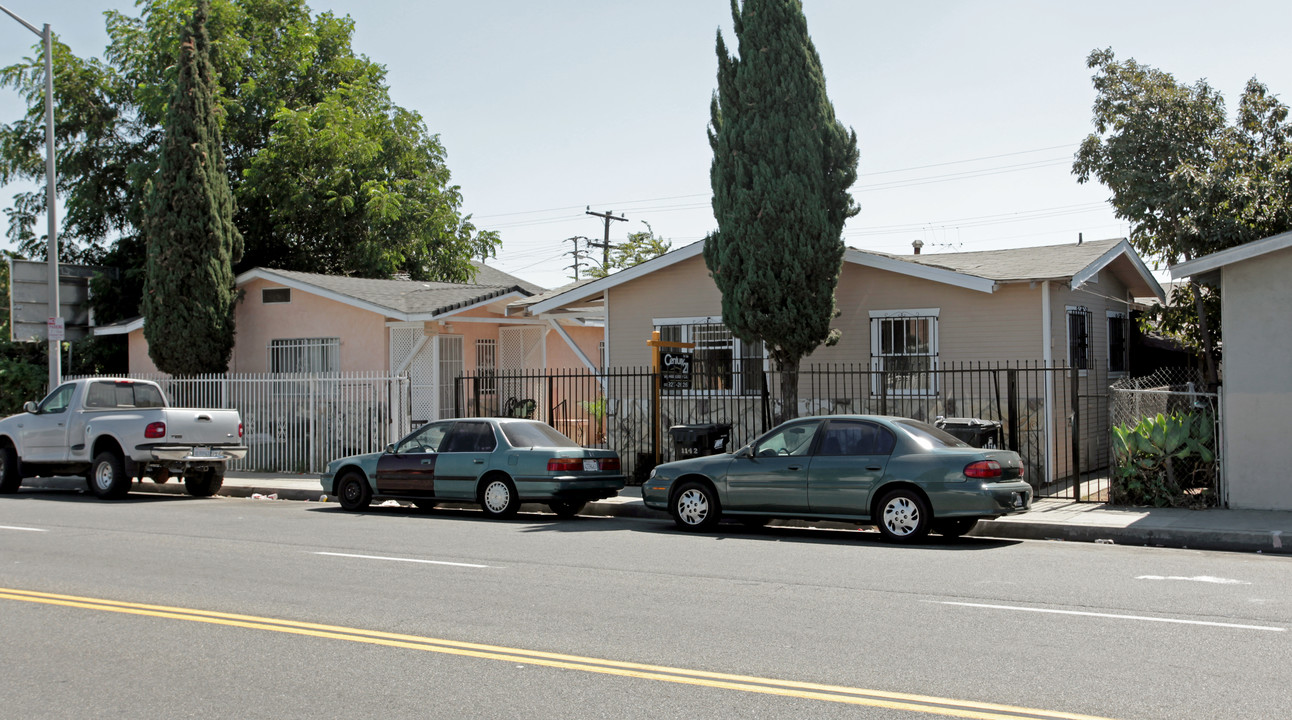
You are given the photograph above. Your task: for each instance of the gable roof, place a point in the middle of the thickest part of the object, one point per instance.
(1247, 251)
(982, 271)
(408, 300)
(486, 275)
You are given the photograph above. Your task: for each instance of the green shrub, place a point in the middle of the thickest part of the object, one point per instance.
(1165, 461)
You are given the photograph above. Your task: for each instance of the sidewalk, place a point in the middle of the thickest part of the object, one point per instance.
(1263, 531)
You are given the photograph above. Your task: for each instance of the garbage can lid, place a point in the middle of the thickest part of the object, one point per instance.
(965, 422)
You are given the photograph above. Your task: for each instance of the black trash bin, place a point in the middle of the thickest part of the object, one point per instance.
(700, 439)
(975, 431)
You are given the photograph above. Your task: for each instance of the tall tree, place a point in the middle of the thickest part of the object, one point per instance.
(782, 166)
(192, 242)
(1188, 181)
(290, 87)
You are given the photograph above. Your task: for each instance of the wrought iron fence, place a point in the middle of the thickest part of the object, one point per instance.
(1040, 409)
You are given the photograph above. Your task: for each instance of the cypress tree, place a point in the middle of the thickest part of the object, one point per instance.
(192, 243)
(782, 166)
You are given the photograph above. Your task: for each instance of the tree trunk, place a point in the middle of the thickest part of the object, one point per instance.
(1208, 351)
(789, 391)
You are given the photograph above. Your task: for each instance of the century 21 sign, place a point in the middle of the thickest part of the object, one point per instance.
(675, 370)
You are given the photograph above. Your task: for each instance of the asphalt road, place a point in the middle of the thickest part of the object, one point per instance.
(171, 606)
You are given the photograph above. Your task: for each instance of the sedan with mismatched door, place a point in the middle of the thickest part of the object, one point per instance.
(903, 476)
(495, 462)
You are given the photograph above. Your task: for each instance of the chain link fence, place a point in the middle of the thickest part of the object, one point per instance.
(1166, 440)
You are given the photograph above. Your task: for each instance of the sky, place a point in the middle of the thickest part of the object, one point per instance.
(967, 114)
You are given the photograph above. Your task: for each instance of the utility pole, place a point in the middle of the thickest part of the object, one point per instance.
(578, 256)
(605, 244)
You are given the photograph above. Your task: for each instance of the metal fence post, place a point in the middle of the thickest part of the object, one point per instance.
(1011, 392)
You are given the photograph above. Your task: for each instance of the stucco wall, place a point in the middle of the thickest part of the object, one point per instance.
(1255, 299)
(363, 334)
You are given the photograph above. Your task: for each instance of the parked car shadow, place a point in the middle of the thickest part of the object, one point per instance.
(137, 495)
(830, 535)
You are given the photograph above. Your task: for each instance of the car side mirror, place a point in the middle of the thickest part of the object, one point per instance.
(744, 452)
(29, 406)
(390, 448)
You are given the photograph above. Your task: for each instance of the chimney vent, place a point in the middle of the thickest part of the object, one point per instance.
(1078, 238)
(917, 245)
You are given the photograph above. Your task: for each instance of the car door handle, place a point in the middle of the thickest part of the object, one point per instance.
(795, 467)
(478, 461)
(874, 467)
(428, 462)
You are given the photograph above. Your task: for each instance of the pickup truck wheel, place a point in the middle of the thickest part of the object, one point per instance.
(10, 471)
(354, 492)
(203, 484)
(108, 478)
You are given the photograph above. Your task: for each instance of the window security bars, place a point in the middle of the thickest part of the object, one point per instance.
(305, 355)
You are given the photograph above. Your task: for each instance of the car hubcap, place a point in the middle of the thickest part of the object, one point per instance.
(351, 491)
(901, 517)
(693, 507)
(497, 496)
(103, 476)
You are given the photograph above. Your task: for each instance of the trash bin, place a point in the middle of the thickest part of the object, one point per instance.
(975, 431)
(700, 439)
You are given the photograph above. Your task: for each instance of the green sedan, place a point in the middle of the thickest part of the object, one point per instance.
(495, 462)
(903, 476)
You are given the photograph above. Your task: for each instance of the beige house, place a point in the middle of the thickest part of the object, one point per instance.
(1256, 403)
(429, 332)
(1057, 305)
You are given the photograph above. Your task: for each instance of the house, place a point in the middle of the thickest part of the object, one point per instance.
(902, 318)
(430, 332)
(1256, 402)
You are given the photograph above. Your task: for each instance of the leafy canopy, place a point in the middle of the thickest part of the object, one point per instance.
(635, 250)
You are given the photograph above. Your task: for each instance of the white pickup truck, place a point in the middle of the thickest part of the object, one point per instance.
(114, 430)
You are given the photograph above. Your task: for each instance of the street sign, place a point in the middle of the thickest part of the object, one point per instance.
(55, 330)
(29, 300)
(675, 370)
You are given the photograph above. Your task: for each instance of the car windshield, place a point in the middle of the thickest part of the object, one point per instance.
(929, 436)
(534, 434)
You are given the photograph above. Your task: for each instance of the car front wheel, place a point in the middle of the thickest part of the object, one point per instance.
(498, 498)
(695, 507)
(354, 491)
(10, 470)
(903, 516)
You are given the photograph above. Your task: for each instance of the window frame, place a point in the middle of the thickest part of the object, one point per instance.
(739, 357)
(1124, 355)
(879, 360)
(487, 366)
(1086, 340)
(328, 349)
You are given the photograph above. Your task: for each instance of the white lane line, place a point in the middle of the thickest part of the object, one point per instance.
(15, 527)
(1118, 617)
(395, 559)
(1196, 578)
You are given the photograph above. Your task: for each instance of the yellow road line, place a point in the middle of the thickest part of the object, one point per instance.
(744, 683)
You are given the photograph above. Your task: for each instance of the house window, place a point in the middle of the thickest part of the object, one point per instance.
(305, 355)
(1118, 342)
(904, 346)
(487, 365)
(720, 361)
(1079, 338)
(275, 295)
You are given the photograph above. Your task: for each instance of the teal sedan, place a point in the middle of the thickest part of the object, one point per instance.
(497, 463)
(903, 476)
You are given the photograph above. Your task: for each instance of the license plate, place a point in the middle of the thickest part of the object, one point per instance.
(591, 465)
(200, 451)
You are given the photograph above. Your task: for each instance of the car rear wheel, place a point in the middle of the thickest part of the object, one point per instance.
(903, 516)
(204, 483)
(10, 471)
(108, 479)
(954, 527)
(695, 507)
(354, 491)
(566, 508)
(498, 498)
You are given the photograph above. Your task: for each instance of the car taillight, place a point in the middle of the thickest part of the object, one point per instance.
(564, 464)
(983, 470)
(239, 429)
(155, 430)
(611, 464)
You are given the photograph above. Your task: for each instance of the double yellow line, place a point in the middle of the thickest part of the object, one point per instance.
(744, 683)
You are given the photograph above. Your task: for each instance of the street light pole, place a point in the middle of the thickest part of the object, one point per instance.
(55, 354)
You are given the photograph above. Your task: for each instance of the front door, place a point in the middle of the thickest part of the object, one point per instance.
(409, 469)
(44, 432)
(849, 461)
(774, 478)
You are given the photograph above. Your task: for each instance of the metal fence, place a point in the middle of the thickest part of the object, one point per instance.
(1177, 392)
(1055, 417)
(298, 422)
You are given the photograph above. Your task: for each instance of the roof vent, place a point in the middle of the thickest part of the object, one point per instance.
(917, 245)
(1078, 238)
